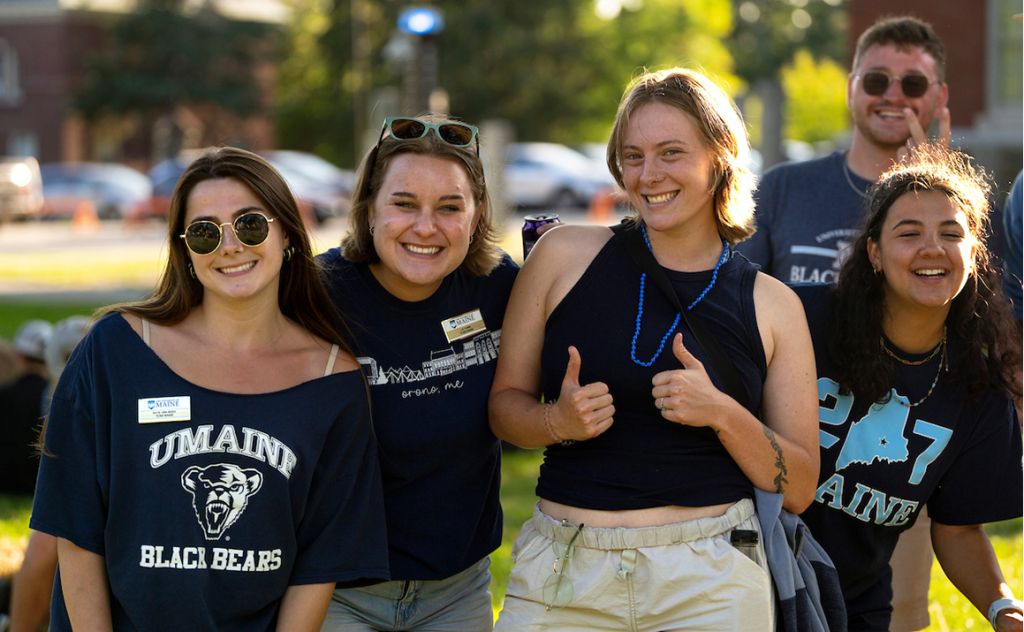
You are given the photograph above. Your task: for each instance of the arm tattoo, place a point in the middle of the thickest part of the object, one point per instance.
(780, 461)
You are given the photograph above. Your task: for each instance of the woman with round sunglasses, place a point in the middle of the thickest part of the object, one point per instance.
(642, 444)
(209, 462)
(915, 347)
(425, 287)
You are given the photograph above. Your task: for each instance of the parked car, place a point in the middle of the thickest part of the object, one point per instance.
(598, 152)
(21, 188)
(548, 174)
(321, 189)
(115, 191)
(324, 186)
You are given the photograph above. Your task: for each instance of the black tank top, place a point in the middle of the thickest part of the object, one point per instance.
(643, 460)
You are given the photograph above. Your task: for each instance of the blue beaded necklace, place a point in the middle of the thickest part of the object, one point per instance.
(640, 306)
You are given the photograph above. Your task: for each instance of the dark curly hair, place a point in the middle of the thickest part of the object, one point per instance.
(980, 323)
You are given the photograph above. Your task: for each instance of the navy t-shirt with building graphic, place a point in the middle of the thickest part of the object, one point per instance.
(430, 365)
(206, 505)
(882, 462)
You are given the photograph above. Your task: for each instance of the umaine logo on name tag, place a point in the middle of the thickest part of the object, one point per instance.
(163, 409)
(459, 327)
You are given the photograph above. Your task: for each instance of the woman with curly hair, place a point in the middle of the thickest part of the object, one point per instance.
(915, 345)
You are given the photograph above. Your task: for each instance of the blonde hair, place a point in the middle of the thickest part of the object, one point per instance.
(721, 129)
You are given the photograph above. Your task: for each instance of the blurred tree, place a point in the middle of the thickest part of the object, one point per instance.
(816, 98)
(318, 81)
(160, 58)
(554, 68)
(767, 36)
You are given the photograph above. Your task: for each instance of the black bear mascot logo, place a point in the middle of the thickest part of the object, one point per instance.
(220, 493)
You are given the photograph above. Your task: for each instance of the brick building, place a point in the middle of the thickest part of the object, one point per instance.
(44, 45)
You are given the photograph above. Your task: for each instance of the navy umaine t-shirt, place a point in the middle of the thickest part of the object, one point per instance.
(881, 463)
(206, 505)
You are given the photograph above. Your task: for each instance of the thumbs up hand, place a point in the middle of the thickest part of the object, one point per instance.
(581, 412)
(686, 396)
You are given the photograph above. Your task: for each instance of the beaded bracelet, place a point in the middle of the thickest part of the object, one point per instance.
(551, 431)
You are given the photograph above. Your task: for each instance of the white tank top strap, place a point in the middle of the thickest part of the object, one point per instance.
(330, 360)
(145, 332)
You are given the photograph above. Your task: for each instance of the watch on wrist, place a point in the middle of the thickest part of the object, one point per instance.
(1003, 604)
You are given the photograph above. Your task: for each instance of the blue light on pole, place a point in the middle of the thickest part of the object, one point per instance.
(421, 21)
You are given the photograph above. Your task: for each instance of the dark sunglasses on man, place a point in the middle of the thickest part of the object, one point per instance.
(876, 83)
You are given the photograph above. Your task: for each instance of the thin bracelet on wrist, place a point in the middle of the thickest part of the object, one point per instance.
(547, 425)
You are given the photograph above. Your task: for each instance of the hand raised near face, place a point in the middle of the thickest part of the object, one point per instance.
(686, 395)
(919, 135)
(581, 412)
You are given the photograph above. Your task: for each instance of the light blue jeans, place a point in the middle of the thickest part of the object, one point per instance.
(460, 603)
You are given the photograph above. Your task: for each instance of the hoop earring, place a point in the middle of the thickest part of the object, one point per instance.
(288, 252)
(191, 271)
(371, 231)
(471, 238)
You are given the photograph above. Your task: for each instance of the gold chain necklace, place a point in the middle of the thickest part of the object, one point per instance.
(935, 352)
(942, 363)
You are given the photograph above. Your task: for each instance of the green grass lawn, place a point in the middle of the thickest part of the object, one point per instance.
(13, 314)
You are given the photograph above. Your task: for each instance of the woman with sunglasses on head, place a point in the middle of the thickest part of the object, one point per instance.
(643, 446)
(209, 462)
(915, 347)
(425, 288)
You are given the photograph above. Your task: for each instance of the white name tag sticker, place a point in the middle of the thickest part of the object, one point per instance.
(158, 410)
(463, 326)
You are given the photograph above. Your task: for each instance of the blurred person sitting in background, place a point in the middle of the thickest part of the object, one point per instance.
(21, 409)
(8, 363)
(32, 585)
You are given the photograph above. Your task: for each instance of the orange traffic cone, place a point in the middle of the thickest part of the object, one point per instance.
(602, 207)
(85, 218)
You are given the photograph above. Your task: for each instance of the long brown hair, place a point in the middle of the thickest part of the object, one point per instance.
(301, 295)
(979, 319)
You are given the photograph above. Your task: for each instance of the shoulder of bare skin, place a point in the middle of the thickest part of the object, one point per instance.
(304, 341)
(571, 243)
(776, 306)
(134, 322)
(560, 259)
